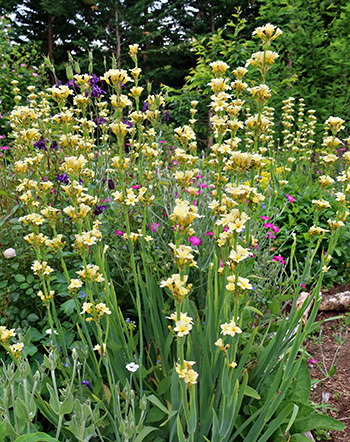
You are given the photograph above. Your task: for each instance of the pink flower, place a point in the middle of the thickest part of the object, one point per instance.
(136, 187)
(162, 141)
(154, 227)
(313, 361)
(119, 232)
(272, 226)
(291, 199)
(203, 186)
(221, 263)
(194, 240)
(209, 233)
(264, 218)
(279, 258)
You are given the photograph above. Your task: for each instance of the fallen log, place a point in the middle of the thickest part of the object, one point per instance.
(338, 302)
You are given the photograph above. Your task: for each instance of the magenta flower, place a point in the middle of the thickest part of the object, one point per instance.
(119, 233)
(194, 240)
(264, 218)
(209, 234)
(291, 199)
(272, 226)
(313, 361)
(279, 258)
(154, 227)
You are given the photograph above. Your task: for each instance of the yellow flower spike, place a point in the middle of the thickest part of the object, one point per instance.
(230, 328)
(219, 67)
(133, 50)
(16, 349)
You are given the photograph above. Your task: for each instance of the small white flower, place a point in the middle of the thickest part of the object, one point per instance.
(9, 253)
(132, 367)
(49, 331)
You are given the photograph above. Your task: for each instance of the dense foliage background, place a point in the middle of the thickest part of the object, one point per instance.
(169, 32)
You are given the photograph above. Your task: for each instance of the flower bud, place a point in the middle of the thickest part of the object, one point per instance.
(10, 253)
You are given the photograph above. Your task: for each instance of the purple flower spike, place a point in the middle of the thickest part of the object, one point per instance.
(54, 146)
(111, 185)
(99, 209)
(40, 144)
(87, 383)
(63, 178)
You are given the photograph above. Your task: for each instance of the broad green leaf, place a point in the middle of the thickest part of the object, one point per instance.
(144, 432)
(274, 307)
(299, 438)
(332, 371)
(66, 406)
(317, 421)
(299, 391)
(164, 385)
(249, 391)
(21, 410)
(253, 309)
(154, 414)
(19, 278)
(152, 398)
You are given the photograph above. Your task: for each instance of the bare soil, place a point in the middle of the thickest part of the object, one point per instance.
(333, 393)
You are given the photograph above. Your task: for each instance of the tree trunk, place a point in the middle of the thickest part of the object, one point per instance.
(117, 34)
(50, 43)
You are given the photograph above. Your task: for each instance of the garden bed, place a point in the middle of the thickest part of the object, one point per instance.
(333, 393)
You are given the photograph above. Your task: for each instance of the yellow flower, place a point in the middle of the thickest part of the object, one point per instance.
(133, 50)
(219, 67)
(230, 328)
(187, 373)
(102, 310)
(87, 308)
(183, 255)
(239, 254)
(6, 334)
(220, 343)
(182, 328)
(16, 349)
(177, 286)
(75, 284)
(267, 33)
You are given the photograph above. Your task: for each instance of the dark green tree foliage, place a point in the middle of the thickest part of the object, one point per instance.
(314, 51)
(163, 29)
(57, 26)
